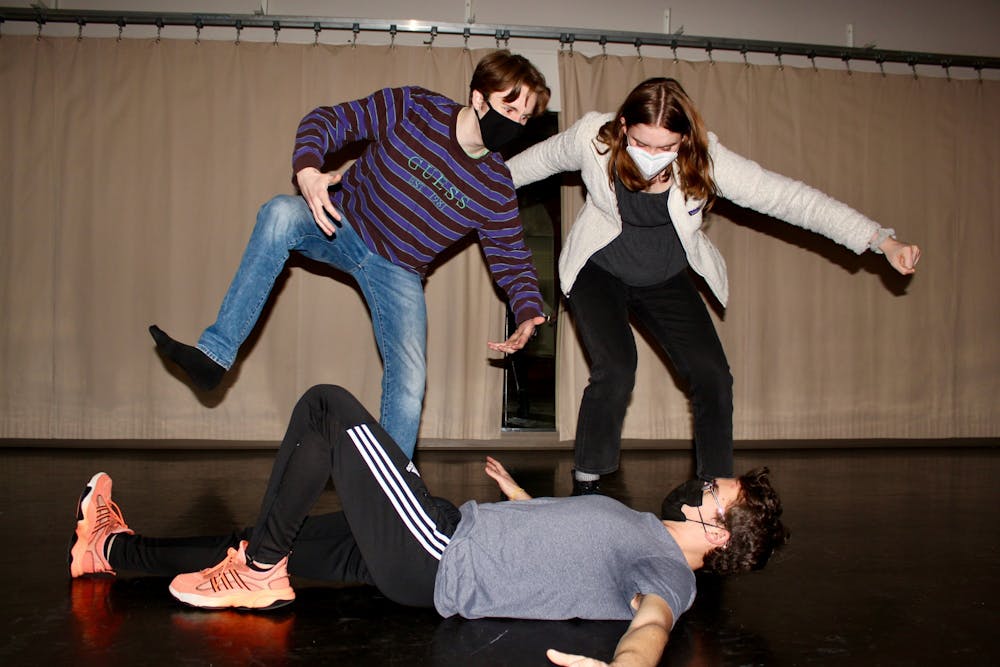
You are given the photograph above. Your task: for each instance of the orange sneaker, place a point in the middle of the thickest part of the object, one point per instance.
(97, 518)
(234, 584)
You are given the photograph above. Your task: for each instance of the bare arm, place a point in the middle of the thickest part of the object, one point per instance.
(640, 646)
(503, 479)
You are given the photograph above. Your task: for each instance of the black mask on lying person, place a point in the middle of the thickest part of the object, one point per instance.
(691, 492)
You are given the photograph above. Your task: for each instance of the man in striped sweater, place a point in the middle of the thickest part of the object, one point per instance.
(429, 175)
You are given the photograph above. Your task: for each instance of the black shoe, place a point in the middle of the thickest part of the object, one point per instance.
(588, 488)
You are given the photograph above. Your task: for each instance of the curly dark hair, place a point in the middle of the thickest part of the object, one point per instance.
(754, 525)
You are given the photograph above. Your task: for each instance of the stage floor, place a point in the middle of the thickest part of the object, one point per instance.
(894, 560)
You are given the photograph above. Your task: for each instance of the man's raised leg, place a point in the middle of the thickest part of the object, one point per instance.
(283, 224)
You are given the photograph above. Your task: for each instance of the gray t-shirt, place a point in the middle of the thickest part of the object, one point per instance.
(648, 251)
(559, 558)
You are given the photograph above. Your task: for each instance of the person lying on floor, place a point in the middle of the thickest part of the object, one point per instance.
(586, 557)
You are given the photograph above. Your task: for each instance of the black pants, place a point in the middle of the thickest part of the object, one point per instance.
(676, 317)
(391, 532)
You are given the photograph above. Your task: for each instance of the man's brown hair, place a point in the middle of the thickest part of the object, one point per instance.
(501, 70)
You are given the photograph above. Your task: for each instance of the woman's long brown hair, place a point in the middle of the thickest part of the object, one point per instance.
(662, 102)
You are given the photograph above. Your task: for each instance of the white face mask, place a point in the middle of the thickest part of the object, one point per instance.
(650, 165)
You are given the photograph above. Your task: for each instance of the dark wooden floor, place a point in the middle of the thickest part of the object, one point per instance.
(894, 560)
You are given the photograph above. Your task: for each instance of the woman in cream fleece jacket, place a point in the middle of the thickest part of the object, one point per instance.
(651, 170)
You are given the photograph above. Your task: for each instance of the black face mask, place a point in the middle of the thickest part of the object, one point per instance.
(691, 492)
(497, 129)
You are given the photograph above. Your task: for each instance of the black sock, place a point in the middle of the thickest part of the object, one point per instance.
(204, 373)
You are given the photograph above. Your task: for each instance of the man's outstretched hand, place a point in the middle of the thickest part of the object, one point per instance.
(520, 337)
(314, 185)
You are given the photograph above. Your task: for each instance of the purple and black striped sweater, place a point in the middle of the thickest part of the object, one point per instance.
(414, 192)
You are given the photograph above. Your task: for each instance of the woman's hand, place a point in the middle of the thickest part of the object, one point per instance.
(902, 256)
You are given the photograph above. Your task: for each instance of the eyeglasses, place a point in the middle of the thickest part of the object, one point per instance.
(712, 488)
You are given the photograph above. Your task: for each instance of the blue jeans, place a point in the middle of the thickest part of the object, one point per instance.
(395, 299)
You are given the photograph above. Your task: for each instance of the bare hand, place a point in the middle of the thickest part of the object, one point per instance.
(313, 184)
(560, 658)
(503, 479)
(902, 256)
(519, 338)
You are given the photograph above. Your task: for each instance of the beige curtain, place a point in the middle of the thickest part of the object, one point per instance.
(823, 343)
(130, 176)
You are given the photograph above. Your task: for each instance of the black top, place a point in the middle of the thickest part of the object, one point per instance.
(647, 252)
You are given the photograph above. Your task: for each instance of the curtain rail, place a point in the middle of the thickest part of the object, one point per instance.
(565, 36)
